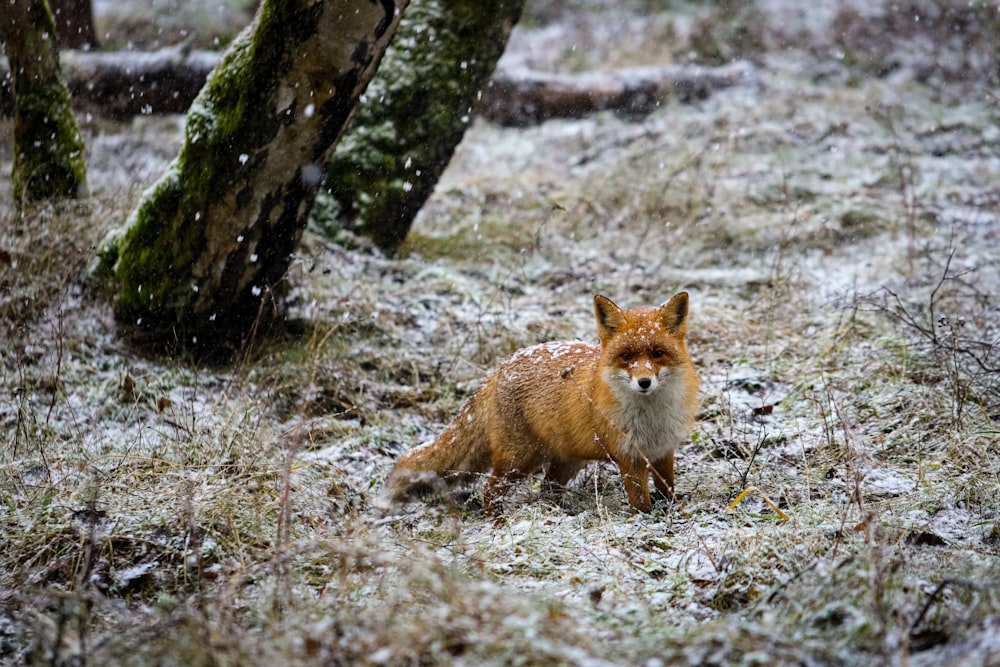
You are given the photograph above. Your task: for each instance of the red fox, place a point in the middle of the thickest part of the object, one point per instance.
(631, 400)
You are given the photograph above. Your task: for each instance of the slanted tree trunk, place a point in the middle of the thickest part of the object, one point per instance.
(416, 111)
(206, 247)
(48, 148)
(74, 20)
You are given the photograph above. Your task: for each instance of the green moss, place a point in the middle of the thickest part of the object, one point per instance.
(49, 160)
(48, 154)
(145, 264)
(418, 108)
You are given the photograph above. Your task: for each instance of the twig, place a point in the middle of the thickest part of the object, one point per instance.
(60, 344)
(933, 297)
(949, 581)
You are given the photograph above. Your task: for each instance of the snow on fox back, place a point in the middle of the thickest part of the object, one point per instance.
(528, 359)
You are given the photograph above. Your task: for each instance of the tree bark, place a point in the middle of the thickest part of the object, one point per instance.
(74, 20)
(416, 111)
(48, 148)
(205, 250)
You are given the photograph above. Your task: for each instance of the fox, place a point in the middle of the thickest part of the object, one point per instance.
(631, 399)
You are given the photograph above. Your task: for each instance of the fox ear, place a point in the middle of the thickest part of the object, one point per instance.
(673, 314)
(609, 317)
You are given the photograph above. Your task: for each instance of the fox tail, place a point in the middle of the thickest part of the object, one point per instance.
(462, 448)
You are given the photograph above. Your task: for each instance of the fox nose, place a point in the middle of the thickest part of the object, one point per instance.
(644, 383)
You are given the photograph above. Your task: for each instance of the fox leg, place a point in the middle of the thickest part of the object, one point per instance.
(663, 474)
(635, 476)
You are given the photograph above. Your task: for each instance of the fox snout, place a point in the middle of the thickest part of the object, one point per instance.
(643, 385)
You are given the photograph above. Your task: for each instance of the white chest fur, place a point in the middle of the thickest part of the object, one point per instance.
(656, 422)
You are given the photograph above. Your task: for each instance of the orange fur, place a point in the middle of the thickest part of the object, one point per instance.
(631, 400)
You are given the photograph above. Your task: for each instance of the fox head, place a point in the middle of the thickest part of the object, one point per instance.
(642, 348)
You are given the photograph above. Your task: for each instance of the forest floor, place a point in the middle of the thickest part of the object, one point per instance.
(836, 220)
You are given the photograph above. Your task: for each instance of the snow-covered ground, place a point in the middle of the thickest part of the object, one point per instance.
(835, 222)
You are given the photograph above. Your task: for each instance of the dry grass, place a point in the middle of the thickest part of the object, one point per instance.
(836, 233)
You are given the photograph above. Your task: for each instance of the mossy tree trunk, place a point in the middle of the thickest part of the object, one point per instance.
(201, 256)
(416, 112)
(48, 148)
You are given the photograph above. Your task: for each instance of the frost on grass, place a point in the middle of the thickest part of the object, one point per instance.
(183, 515)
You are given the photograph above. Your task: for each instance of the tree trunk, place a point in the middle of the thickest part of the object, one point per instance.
(48, 148)
(415, 113)
(74, 21)
(205, 249)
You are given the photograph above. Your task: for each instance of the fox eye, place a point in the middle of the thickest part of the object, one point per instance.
(626, 356)
(658, 354)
